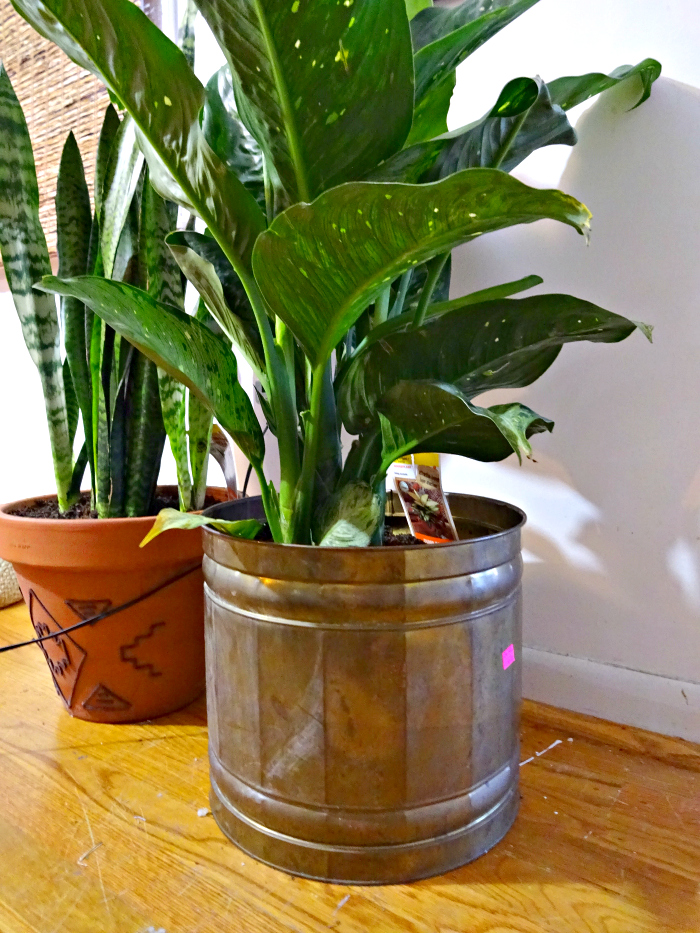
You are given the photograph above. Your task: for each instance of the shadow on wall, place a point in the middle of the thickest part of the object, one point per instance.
(614, 501)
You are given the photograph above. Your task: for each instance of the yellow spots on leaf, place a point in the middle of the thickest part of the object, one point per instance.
(335, 226)
(487, 323)
(295, 6)
(359, 211)
(313, 63)
(400, 213)
(342, 55)
(388, 196)
(436, 210)
(167, 101)
(331, 118)
(304, 273)
(297, 43)
(348, 2)
(496, 340)
(368, 224)
(343, 230)
(351, 23)
(472, 215)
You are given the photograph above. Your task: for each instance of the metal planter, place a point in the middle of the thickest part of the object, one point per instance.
(364, 703)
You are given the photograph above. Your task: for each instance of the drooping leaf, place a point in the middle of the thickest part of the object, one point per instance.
(170, 519)
(26, 258)
(444, 37)
(178, 343)
(570, 91)
(73, 231)
(222, 451)
(203, 262)
(434, 417)
(522, 120)
(505, 343)
(229, 138)
(164, 98)
(325, 100)
(320, 265)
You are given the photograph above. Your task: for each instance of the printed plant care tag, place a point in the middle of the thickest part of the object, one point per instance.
(424, 502)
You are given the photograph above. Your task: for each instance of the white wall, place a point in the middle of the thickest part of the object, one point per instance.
(613, 579)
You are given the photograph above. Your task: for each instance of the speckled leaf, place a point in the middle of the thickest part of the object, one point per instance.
(506, 343)
(430, 113)
(26, 258)
(325, 88)
(444, 37)
(203, 262)
(185, 38)
(123, 171)
(570, 91)
(150, 76)
(320, 265)
(108, 133)
(430, 416)
(178, 343)
(522, 120)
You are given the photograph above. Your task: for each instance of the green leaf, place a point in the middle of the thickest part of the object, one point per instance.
(147, 72)
(108, 133)
(325, 88)
(430, 113)
(522, 120)
(73, 229)
(229, 138)
(145, 437)
(170, 519)
(506, 343)
(185, 38)
(444, 38)
(178, 343)
(203, 262)
(350, 517)
(121, 180)
(26, 258)
(320, 265)
(431, 416)
(415, 6)
(200, 427)
(570, 91)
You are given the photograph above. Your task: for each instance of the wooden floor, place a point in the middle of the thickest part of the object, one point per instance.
(100, 833)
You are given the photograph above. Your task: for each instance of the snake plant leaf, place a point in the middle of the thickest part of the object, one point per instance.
(73, 231)
(108, 133)
(325, 100)
(178, 343)
(570, 91)
(522, 120)
(150, 76)
(320, 265)
(185, 37)
(72, 407)
(444, 37)
(145, 437)
(26, 258)
(432, 416)
(203, 262)
(504, 343)
(171, 519)
(229, 138)
(200, 423)
(121, 181)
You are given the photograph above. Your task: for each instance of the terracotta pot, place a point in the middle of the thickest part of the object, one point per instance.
(144, 661)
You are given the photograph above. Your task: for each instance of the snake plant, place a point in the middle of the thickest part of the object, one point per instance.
(331, 195)
(125, 402)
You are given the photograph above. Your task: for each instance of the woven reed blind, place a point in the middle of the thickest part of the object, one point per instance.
(56, 97)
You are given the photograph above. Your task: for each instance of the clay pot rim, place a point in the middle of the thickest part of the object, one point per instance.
(82, 523)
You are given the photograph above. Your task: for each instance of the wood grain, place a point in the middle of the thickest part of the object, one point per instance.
(607, 840)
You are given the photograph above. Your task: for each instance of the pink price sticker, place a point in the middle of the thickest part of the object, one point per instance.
(508, 657)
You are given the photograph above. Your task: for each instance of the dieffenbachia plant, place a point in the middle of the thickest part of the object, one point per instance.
(126, 404)
(331, 195)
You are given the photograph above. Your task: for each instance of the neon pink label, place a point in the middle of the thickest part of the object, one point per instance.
(508, 657)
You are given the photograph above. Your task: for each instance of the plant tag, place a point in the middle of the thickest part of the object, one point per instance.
(508, 657)
(424, 502)
(404, 468)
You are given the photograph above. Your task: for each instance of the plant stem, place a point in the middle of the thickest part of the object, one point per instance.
(404, 283)
(435, 267)
(381, 307)
(304, 498)
(508, 141)
(271, 508)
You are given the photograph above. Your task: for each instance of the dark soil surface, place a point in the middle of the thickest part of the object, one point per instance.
(399, 540)
(48, 508)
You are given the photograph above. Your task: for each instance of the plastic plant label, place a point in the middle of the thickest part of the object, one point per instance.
(425, 505)
(508, 657)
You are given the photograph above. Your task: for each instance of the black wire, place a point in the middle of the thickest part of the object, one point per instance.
(103, 615)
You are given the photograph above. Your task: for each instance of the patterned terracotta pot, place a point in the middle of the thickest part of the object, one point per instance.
(140, 661)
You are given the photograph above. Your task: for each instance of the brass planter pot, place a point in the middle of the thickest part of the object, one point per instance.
(364, 703)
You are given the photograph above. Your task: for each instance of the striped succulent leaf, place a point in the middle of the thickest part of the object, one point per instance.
(186, 35)
(200, 422)
(121, 181)
(26, 259)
